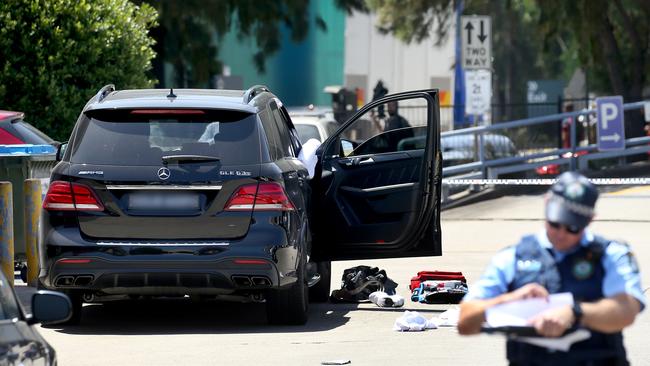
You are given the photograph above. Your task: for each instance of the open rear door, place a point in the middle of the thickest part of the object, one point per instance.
(376, 193)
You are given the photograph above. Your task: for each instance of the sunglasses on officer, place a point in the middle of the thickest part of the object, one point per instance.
(569, 228)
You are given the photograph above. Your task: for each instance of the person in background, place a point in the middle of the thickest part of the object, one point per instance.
(566, 256)
(394, 120)
(565, 128)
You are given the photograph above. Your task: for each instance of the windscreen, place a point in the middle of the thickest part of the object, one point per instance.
(142, 137)
(306, 132)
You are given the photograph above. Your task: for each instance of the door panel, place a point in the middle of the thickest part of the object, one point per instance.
(377, 194)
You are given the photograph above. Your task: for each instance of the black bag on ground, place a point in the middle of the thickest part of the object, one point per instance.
(357, 283)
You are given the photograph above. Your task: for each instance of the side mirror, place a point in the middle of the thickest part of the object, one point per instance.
(346, 147)
(60, 151)
(50, 307)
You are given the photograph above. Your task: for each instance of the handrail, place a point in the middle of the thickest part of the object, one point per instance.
(253, 91)
(105, 90)
(483, 163)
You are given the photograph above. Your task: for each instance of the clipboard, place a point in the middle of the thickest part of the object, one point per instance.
(512, 331)
(521, 331)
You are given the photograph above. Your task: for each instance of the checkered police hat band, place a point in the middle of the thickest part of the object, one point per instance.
(574, 207)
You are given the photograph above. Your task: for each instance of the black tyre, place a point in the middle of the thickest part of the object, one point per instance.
(77, 305)
(289, 307)
(23, 273)
(320, 292)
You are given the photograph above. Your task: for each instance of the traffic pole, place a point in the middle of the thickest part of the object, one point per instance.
(32, 199)
(7, 231)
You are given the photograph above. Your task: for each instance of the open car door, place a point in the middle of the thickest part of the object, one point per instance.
(376, 190)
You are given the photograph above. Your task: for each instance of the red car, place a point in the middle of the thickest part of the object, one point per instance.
(15, 131)
(554, 169)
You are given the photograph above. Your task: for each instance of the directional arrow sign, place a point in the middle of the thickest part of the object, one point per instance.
(611, 124)
(615, 137)
(476, 42)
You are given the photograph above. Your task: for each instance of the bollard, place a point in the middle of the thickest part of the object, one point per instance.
(7, 231)
(32, 199)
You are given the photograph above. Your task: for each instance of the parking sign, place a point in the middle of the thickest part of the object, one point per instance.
(478, 91)
(611, 126)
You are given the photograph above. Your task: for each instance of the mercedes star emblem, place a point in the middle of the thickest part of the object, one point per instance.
(163, 173)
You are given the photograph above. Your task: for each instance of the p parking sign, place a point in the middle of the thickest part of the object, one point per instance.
(611, 124)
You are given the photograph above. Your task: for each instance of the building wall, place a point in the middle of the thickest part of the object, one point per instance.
(298, 72)
(371, 56)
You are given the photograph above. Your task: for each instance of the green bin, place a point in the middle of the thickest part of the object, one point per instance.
(15, 168)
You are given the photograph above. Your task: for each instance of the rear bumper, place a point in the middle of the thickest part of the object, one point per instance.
(148, 269)
(163, 276)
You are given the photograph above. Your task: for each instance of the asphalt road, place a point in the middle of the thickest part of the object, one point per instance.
(182, 332)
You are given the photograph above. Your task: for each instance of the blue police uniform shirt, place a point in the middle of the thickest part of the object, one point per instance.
(621, 271)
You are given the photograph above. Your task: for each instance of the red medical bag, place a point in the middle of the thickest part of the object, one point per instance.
(436, 276)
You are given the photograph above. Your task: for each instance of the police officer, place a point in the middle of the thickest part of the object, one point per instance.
(602, 275)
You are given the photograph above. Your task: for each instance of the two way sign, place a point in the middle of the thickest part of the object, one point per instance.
(476, 40)
(611, 124)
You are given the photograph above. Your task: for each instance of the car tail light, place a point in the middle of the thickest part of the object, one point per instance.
(268, 196)
(66, 196)
(250, 261)
(168, 111)
(73, 261)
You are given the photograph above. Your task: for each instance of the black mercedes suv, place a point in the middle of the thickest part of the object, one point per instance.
(201, 193)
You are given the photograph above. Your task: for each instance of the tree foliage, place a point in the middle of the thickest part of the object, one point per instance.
(413, 20)
(610, 39)
(190, 32)
(56, 54)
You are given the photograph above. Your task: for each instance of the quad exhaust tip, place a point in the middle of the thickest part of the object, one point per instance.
(71, 281)
(260, 281)
(251, 281)
(83, 280)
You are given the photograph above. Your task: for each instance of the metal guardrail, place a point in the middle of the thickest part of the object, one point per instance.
(477, 152)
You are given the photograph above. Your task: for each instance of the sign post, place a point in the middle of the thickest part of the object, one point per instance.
(476, 41)
(611, 124)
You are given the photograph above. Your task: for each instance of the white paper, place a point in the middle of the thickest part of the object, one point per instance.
(448, 318)
(518, 313)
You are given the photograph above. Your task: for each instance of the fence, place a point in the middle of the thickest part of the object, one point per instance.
(543, 145)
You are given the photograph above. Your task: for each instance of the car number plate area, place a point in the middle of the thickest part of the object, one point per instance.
(158, 201)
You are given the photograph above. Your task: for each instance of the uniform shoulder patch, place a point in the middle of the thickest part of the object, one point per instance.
(632, 262)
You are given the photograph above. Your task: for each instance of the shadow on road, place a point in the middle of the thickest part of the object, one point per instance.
(183, 316)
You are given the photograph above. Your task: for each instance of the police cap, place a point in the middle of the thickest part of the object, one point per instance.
(571, 200)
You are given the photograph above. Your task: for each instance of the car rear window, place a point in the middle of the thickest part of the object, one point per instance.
(143, 136)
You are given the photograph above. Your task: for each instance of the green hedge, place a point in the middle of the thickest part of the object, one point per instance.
(56, 54)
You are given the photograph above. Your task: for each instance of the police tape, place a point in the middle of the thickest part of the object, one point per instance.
(542, 182)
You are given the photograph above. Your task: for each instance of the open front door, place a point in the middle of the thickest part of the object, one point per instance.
(376, 193)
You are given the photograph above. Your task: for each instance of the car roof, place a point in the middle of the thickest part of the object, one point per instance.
(311, 120)
(184, 98)
(311, 111)
(10, 115)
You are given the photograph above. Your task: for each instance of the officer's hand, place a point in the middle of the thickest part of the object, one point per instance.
(528, 291)
(554, 322)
